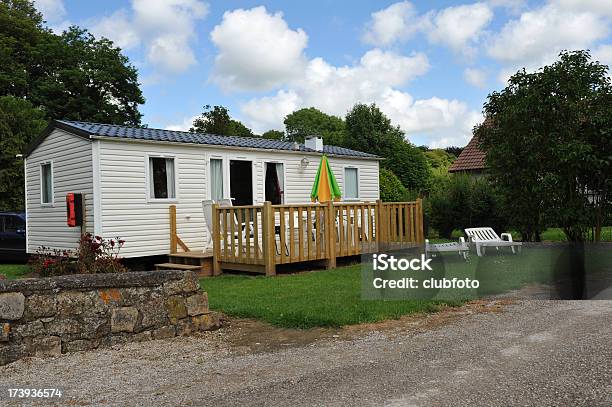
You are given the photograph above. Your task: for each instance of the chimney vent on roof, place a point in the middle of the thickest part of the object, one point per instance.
(314, 143)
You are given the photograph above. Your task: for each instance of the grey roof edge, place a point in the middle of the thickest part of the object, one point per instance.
(80, 129)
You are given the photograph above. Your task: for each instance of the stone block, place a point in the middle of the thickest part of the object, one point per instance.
(206, 322)
(142, 336)
(176, 309)
(197, 304)
(5, 332)
(124, 319)
(12, 306)
(29, 329)
(11, 352)
(184, 327)
(63, 327)
(188, 284)
(40, 305)
(153, 313)
(110, 296)
(70, 303)
(80, 345)
(45, 346)
(164, 332)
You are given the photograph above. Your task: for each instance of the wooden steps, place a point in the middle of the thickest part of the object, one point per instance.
(174, 266)
(201, 262)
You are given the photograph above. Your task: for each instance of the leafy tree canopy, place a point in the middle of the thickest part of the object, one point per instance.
(368, 129)
(313, 122)
(274, 135)
(548, 139)
(391, 188)
(20, 122)
(216, 120)
(439, 158)
(69, 76)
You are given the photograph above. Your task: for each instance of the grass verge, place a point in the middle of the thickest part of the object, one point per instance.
(325, 298)
(14, 271)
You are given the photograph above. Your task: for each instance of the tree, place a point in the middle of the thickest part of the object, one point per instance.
(313, 122)
(391, 188)
(368, 129)
(548, 140)
(69, 76)
(20, 122)
(273, 135)
(439, 158)
(216, 120)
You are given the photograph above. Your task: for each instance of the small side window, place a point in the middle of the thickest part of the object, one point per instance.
(46, 183)
(161, 178)
(351, 183)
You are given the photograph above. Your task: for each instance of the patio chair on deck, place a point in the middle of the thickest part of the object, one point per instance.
(239, 230)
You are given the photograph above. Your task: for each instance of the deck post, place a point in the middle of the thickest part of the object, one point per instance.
(331, 235)
(419, 223)
(267, 235)
(378, 224)
(216, 238)
(173, 241)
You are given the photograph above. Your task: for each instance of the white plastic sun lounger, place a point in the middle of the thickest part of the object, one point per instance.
(460, 247)
(486, 237)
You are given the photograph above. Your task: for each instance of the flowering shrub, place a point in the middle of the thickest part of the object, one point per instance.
(94, 255)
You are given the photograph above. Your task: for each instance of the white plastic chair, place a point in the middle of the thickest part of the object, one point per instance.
(461, 247)
(486, 237)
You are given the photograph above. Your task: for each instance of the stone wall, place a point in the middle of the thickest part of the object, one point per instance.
(50, 316)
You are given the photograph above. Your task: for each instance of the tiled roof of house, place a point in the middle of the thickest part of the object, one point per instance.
(471, 158)
(146, 134)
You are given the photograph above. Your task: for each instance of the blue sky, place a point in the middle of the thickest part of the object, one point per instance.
(429, 65)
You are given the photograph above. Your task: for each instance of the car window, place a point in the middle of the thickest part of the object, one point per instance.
(2, 223)
(12, 224)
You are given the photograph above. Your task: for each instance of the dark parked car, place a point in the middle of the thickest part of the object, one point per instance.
(12, 236)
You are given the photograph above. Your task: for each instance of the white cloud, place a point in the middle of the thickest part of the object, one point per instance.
(459, 27)
(375, 78)
(257, 50)
(537, 36)
(602, 7)
(185, 125)
(394, 23)
(53, 11)
(475, 77)
(165, 28)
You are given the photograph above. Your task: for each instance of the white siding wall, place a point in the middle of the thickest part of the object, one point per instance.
(126, 212)
(72, 172)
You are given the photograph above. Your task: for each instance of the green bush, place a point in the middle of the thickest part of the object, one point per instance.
(461, 202)
(391, 188)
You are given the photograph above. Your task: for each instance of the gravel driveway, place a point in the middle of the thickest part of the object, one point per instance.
(556, 353)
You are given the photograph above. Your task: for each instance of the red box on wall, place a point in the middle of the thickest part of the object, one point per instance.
(74, 209)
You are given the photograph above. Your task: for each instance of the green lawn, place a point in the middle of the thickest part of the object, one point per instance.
(324, 298)
(549, 235)
(334, 298)
(13, 271)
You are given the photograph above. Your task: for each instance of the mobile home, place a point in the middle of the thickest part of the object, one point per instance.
(129, 176)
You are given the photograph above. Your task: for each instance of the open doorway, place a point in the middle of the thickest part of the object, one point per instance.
(241, 182)
(274, 183)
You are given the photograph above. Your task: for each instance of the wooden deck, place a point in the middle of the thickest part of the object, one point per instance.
(260, 237)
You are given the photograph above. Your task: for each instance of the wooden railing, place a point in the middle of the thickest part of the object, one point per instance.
(258, 237)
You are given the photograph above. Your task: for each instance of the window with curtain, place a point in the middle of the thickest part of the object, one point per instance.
(46, 184)
(216, 179)
(351, 183)
(161, 178)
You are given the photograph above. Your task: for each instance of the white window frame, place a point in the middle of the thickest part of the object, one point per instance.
(148, 185)
(284, 195)
(357, 198)
(40, 167)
